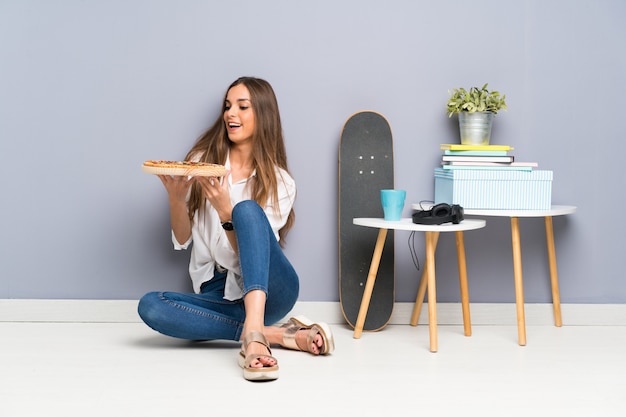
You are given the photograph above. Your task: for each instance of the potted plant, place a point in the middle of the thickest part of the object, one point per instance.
(476, 109)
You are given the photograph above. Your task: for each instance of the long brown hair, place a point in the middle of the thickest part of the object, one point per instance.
(268, 148)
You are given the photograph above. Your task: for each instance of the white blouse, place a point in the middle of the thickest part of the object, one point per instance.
(211, 245)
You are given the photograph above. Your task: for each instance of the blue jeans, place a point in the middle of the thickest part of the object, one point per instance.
(208, 316)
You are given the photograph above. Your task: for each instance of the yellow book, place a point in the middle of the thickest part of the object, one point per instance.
(459, 147)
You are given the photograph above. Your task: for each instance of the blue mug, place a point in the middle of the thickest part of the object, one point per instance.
(393, 203)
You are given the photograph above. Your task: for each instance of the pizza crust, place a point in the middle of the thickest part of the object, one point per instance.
(183, 168)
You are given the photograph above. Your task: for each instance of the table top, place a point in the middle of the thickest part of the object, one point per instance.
(555, 210)
(407, 224)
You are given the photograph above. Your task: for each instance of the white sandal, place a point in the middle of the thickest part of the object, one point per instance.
(266, 373)
(302, 323)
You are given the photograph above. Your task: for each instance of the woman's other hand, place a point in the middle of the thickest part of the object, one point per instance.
(216, 191)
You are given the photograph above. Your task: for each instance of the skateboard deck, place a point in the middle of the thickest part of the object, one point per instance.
(365, 168)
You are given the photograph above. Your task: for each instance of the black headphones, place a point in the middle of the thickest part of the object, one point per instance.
(440, 213)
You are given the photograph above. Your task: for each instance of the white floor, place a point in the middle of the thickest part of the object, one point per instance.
(125, 369)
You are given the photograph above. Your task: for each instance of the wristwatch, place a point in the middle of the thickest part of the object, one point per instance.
(227, 225)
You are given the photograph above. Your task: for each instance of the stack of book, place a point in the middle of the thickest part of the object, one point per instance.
(458, 156)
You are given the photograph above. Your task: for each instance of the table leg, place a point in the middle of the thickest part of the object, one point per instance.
(519, 286)
(554, 277)
(369, 285)
(431, 239)
(460, 250)
(419, 301)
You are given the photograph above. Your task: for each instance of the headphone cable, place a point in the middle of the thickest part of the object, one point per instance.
(411, 243)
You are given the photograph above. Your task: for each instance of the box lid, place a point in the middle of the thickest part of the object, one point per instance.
(493, 174)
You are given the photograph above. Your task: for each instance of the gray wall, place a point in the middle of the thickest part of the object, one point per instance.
(90, 89)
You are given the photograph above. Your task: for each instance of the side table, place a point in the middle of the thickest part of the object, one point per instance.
(431, 236)
(555, 210)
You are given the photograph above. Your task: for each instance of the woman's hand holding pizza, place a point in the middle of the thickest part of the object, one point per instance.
(177, 187)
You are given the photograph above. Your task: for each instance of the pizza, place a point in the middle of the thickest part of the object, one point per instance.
(187, 168)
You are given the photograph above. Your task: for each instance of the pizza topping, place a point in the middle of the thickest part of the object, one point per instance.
(174, 164)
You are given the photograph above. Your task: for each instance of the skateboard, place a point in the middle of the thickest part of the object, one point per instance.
(365, 168)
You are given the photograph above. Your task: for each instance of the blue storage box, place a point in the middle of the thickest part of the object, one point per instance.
(494, 189)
